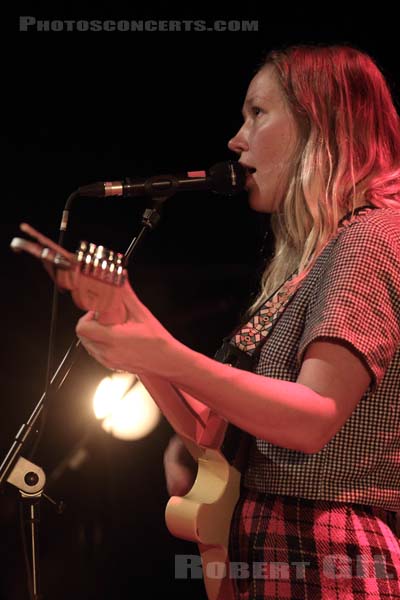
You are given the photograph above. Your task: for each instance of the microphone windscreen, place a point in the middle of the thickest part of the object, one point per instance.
(228, 177)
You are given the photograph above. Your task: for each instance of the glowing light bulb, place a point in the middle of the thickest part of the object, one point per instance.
(125, 406)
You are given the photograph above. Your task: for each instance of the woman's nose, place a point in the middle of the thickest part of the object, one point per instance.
(238, 143)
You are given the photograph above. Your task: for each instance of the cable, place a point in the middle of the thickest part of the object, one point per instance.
(52, 331)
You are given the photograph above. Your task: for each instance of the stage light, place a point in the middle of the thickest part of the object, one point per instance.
(126, 409)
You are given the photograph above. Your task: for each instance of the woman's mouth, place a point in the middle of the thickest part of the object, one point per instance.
(249, 174)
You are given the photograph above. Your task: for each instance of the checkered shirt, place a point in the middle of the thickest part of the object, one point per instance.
(351, 296)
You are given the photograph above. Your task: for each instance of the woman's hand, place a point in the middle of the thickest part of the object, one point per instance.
(139, 345)
(179, 466)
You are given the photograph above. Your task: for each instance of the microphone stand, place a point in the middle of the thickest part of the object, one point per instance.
(27, 477)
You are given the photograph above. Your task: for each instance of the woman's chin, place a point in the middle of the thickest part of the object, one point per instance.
(257, 203)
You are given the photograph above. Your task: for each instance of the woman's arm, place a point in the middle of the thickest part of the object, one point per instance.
(301, 415)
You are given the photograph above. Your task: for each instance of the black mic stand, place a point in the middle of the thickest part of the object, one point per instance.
(27, 477)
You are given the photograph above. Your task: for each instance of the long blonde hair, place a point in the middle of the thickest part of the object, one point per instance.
(348, 151)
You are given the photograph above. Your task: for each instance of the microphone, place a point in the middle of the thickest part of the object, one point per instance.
(225, 178)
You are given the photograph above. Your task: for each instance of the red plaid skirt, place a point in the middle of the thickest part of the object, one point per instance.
(288, 547)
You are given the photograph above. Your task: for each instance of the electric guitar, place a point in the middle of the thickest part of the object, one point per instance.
(94, 276)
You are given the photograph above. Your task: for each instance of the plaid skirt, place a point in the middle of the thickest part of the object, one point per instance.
(288, 547)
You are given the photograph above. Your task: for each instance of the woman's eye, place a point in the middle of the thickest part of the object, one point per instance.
(256, 110)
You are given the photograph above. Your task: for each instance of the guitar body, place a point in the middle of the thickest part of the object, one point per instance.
(204, 516)
(94, 275)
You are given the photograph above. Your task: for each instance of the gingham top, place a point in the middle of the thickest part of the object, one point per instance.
(351, 296)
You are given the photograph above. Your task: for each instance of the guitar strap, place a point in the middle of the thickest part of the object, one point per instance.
(242, 347)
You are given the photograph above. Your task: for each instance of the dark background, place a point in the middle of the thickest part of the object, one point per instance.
(81, 107)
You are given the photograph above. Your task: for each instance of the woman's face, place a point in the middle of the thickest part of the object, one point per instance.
(266, 141)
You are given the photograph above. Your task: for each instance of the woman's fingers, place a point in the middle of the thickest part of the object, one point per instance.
(180, 467)
(88, 316)
(89, 329)
(179, 480)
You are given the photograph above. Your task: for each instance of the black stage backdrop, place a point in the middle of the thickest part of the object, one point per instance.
(82, 106)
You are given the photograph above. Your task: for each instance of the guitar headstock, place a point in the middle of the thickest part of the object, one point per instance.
(99, 273)
(93, 274)
(100, 263)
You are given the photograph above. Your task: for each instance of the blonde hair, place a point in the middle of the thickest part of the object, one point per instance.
(348, 151)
